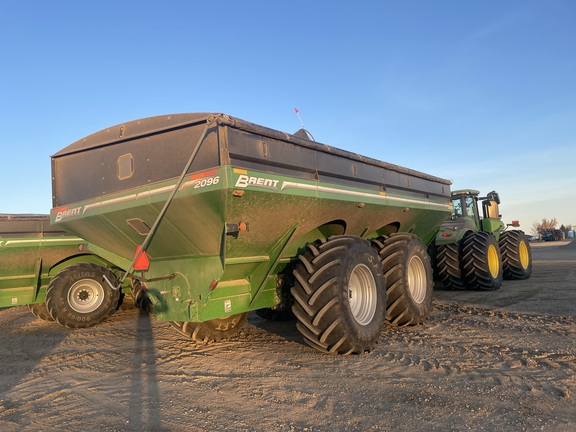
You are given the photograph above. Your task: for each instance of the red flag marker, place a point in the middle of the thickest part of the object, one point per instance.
(301, 122)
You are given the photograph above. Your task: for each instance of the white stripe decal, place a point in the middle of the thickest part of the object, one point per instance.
(127, 198)
(43, 240)
(285, 185)
(305, 186)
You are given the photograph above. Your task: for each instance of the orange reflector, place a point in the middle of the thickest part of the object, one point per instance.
(142, 262)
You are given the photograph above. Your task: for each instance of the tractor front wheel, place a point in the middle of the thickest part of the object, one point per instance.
(448, 266)
(481, 261)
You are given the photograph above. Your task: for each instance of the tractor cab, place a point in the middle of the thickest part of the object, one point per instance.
(467, 217)
(466, 206)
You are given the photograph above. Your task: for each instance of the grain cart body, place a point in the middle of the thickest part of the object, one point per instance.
(220, 230)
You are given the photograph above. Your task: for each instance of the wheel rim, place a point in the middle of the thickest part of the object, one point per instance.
(493, 262)
(417, 280)
(85, 296)
(524, 255)
(362, 294)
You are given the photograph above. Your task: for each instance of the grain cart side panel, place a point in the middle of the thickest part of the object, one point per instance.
(247, 205)
(29, 248)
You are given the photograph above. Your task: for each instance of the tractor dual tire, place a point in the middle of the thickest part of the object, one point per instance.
(449, 267)
(40, 310)
(212, 330)
(481, 261)
(409, 280)
(80, 296)
(516, 255)
(339, 295)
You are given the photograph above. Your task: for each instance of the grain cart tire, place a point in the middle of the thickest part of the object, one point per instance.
(448, 266)
(481, 261)
(80, 295)
(409, 280)
(138, 290)
(40, 310)
(216, 329)
(339, 295)
(516, 255)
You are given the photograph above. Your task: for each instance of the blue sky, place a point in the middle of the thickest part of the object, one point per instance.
(479, 92)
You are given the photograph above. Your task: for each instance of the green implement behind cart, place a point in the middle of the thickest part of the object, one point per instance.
(53, 273)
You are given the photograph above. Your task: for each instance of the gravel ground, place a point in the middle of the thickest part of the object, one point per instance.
(497, 361)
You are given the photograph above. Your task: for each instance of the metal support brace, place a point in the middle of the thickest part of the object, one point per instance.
(211, 120)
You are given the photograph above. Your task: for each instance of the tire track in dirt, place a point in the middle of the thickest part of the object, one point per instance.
(537, 352)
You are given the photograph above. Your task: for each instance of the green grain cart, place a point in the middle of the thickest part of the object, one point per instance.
(53, 273)
(213, 217)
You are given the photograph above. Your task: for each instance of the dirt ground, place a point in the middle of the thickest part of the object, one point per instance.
(497, 361)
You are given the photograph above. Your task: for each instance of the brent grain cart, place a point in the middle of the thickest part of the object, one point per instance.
(213, 217)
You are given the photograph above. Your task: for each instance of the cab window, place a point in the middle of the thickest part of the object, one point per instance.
(470, 206)
(457, 206)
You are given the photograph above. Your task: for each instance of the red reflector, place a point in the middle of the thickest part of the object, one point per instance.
(213, 285)
(446, 235)
(516, 223)
(142, 262)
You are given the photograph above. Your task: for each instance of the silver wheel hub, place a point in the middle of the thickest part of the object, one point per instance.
(85, 296)
(417, 280)
(362, 294)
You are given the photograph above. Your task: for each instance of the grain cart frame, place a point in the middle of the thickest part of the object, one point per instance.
(213, 217)
(477, 252)
(54, 274)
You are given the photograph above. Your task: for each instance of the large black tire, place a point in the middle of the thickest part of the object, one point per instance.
(516, 255)
(79, 296)
(216, 329)
(409, 280)
(340, 296)
(481, 261)
(40, 310)
(449, 267)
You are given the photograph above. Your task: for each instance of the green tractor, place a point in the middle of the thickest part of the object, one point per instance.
(474, 251)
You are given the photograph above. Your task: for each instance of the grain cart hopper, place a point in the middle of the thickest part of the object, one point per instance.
(49, 270)
(213, 217)
(477, 252)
